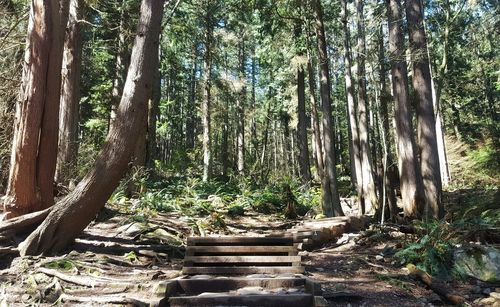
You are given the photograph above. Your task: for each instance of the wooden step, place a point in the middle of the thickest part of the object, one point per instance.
(244, 270)
(197, 286)
(218, 241)
(275, 300)
(237, 249)
(242, 259)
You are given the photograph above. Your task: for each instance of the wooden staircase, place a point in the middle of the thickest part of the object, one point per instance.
(242, 271)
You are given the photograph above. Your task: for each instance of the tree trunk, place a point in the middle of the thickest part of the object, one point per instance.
(315, 119)
(354, 144)
(240, 108)
(191, 107)
(369, 196)
(409, 172)
(427, 140)
(34, 150)
(70, 97)
(207, 96)
(304, 165)
(332, 208)
(153, 114)
(73, 213)
(120, 65)
(389, 169)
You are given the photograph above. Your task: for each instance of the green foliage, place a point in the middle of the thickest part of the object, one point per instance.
(236, 210)
(62, 264)
(433, 252)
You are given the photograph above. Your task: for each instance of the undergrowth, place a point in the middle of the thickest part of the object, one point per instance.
(192, 197)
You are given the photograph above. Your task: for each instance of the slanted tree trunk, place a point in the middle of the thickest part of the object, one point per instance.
(70, 97)
(368, 197)
(34, 149)
(331, 205)
(73, 213)
(427, 139)
(207, 94)
(409, 171)
(354, 144)
(304, 165)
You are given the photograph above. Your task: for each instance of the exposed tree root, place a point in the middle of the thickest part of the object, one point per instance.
(119, 248)
(110, 299)
(85, 281)
(437, 285)
(9, 251)
(23, 223)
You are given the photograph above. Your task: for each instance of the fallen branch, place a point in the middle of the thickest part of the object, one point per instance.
(437, 285)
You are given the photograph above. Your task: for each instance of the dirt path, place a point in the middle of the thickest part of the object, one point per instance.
(122, 259)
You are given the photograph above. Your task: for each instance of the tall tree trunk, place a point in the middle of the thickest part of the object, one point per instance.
(34, 149)
(409, 171)
(427, 140)
(315, 118)
(331, 205)
(153, 115)
(70, 97)
(304, 165)
(369, 196)
(207, 95)
(354, 144)
(191, 107)
(73, 213)
(120, 64)
(240, 108)
(254, 140)
(389, 168)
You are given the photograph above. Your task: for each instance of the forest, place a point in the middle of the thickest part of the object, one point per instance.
(357, 141)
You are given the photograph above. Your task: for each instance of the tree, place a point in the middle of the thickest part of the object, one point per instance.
(75, 211)
(368, 196)
(409, 172)
(331, 203)
(427, 140)
(354, 144)
(304, 165)
(34, 149)
(70, 96)
(207, 91)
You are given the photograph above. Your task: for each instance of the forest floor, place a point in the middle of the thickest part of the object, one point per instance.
(121, 258)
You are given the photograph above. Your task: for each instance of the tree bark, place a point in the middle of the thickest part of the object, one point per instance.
(332, 208)
(34, 150)
(427, 140)
(191, 107)
(207, 95)
(153, 115)
(120, 64)
(70, 97)
(409, 171)
(354, 144)
(74, 212)
(389, 168)
(368, 197)
(240, 109)
(304, 165)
